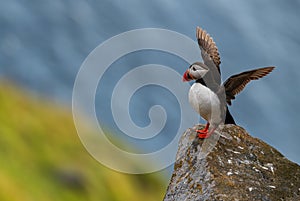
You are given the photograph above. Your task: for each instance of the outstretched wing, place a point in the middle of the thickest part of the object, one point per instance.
(236, 83)
(209, 50)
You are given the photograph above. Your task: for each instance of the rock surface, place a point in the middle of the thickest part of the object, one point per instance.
(236, 167)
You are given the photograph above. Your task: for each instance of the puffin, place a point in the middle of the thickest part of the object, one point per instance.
(208, 96)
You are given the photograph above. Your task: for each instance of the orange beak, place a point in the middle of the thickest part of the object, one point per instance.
(186, 77)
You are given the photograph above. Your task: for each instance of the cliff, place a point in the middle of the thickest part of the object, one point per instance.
(237, 166)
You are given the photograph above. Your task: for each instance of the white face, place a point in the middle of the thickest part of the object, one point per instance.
(197, 71)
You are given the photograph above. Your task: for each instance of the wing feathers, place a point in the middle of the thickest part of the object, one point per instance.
(236, 83)
(208, 47)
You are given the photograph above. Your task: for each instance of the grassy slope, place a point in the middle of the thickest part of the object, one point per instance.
(41, 158)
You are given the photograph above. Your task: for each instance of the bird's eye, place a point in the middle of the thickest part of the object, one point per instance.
(193, 68)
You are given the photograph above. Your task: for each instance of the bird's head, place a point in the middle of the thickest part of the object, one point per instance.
(196, 71)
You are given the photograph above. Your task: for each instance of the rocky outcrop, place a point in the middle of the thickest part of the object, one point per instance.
(233, 166)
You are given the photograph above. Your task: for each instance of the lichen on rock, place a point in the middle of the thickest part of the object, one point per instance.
(239, 167)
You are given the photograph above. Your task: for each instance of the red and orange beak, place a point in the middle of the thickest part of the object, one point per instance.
(186, 76)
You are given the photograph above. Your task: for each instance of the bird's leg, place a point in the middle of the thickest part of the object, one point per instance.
(204, 130)
(206, 134)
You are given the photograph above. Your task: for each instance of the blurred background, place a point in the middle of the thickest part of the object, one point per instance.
(43, 44)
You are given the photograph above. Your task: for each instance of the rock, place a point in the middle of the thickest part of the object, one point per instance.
(70, 178)
(233, 166)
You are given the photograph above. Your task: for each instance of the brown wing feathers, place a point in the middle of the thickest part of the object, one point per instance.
(236, 83)
(207, 44)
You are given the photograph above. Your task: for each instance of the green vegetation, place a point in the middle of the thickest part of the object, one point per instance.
(42, 158)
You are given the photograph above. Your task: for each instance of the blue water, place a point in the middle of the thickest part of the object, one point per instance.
(43, 44)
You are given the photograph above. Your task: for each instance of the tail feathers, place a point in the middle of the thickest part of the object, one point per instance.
(229, 119)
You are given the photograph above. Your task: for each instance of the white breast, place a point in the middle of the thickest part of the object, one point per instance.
(205, 102)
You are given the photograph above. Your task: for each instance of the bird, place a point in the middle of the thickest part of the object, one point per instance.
(208, 96)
